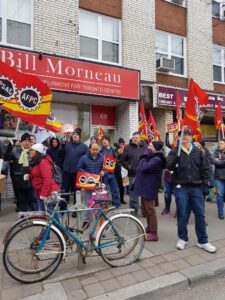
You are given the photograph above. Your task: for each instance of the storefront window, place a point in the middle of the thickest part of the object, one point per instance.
(107, 131)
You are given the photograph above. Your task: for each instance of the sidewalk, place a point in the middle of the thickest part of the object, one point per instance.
(160, 270)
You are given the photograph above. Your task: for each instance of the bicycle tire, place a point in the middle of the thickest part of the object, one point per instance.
(16, 255)
(124, 248)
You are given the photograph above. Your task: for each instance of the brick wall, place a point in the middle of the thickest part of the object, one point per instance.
(56, 27)
(138, 37)
(126, 119)
(105, 7)
(199, 43)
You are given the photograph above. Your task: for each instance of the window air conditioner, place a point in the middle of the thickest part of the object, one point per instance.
(179, 2)
(165, 64)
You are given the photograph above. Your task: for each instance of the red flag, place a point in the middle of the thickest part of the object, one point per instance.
(218, 118)
(52, 123)
(25, 96)
(87, 181)
(142, 126)
(100, 134)
(153, 133)
(196, 97)
(109, 163)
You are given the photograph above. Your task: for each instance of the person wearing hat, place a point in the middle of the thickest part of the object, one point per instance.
(146, 185)
(118, 170)
(27, 199)
(41, 174)
(191, 171)
(71, 153)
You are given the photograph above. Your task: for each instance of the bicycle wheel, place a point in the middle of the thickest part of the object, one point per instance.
(21, 260)
(122, 242)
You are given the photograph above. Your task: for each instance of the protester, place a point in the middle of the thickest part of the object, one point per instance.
(41, 174)
(218, 159)
(118, 171)
(54, 152)
(71, 153)
(92, 162)
(110, 178)
(32, 139)
(93, 139)
(131, 158)
(191, 170)
(27, 199)
(147, 182)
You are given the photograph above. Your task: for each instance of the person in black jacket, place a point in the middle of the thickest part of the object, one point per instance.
(131, 159)
(27, 199)
(54, 152)
(218, 159)
(119, 154)
(191, 170)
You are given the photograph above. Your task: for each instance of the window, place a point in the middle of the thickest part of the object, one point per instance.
(218, 9)
(173, 47)
(219, 64)
(16, 22)
(99, 38)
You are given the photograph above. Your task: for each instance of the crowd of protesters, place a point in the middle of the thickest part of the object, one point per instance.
(188, 175)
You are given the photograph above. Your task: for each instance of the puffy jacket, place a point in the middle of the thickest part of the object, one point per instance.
(41, 176)
(72, 152)
(13, 154)
(88, 164)
(148, 176)
(132, 155)
(190, 170)
(218, 159)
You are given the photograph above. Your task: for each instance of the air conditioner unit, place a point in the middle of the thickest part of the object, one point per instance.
(165, 64)
(179, 2)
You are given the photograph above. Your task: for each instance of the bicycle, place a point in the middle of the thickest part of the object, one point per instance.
(34, 251)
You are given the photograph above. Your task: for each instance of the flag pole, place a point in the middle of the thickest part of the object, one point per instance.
(180, 143)
(17, 129)
(222, 131)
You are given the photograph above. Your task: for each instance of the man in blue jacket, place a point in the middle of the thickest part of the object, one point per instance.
(71, 153)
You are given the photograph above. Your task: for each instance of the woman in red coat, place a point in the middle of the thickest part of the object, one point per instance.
(41, 174)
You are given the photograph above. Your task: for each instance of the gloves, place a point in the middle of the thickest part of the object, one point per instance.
(26, 177)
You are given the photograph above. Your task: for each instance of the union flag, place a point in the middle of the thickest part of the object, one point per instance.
(218, 118)
(52, 123)
(100, 134)
(109, 163)
(153, 133)
(24, 95)
(142, 125)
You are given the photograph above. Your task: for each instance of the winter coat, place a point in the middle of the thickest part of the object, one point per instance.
(218, 159)
(55, 155)
(148, 176)
(72, 152)
(41, 176)
(189, 170)
(132, 155)
(18, 170)
(90, 165)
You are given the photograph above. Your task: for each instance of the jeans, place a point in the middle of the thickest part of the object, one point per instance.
(27, 199)
(134, 199)
(69, 185)
(110, 180)
(168, 191)
(190, 198)
(220, 188)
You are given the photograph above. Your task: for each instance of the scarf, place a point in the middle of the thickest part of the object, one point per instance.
(23, 160)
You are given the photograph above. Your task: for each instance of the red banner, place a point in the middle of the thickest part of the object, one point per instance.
(74, 75)
(172, 127)
(87, 181)
(109, 163)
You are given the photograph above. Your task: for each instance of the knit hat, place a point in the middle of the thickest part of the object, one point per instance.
(157, 145)
(25, 137)
(187, 131)
(39, 148)
(77, 131)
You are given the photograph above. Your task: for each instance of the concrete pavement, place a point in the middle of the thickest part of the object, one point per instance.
(161, 270)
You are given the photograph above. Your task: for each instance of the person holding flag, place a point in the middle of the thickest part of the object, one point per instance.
(192, 172)
(110, 178)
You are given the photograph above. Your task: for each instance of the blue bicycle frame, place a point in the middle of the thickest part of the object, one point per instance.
(54, 221)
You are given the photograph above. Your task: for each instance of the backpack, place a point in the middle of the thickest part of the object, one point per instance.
(57, 174)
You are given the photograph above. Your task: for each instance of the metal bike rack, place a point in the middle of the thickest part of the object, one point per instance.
(80, 263)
